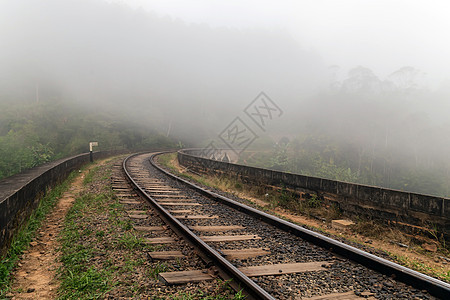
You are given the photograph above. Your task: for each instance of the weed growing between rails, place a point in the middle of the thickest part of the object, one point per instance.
(28, 231)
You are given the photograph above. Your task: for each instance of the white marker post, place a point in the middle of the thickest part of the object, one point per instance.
(92, 144)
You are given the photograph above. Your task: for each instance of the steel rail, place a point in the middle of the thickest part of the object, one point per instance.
(239, 280)
(416, 279)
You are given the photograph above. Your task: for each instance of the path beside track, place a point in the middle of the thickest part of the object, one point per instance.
(35, 276)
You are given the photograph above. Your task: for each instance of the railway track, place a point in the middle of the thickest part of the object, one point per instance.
(207, 235)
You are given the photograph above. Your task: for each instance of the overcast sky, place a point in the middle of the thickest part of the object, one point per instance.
(383, 35)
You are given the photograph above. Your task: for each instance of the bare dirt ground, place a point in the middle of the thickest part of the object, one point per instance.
(35, 276)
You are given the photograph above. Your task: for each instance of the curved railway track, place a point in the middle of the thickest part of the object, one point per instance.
(262, 255)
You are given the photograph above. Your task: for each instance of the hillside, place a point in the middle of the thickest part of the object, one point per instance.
(38, 132)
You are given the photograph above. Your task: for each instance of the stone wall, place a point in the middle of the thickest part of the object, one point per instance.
(351, 199)
(22, 192)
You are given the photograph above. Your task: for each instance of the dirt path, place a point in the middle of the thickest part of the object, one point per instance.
(35, 276)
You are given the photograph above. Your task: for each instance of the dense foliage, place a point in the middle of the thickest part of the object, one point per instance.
(38, 132)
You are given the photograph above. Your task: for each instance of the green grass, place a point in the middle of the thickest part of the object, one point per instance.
(159, 268)
(421, 267)
(90, 175)
(131, 241)
(83, 275)
(80, 279)
(167, 160)
(28, 231)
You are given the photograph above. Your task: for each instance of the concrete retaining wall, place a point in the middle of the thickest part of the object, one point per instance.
(22, 192)
(352, 199)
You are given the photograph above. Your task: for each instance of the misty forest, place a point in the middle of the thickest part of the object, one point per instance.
(79, 71)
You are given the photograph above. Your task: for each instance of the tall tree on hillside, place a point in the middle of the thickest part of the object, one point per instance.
(361, 80)
(407, 79)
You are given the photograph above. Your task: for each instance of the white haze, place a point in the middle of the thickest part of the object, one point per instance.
(131, 60)
(383, 35)
(373, 75)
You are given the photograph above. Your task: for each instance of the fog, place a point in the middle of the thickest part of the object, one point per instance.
(371, 75)
(107, 54)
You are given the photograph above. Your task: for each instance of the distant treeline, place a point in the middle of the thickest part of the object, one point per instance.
(323, 157)
(34, 133)
(391, 133)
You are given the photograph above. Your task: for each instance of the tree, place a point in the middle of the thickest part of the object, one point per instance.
(407, 79)
(361, 80)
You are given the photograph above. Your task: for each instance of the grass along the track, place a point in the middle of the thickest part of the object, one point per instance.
(97, 243)
(27, 233)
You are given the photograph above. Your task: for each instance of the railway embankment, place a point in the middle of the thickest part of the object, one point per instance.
(103, 252)
(410, 211)
(421, 252)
